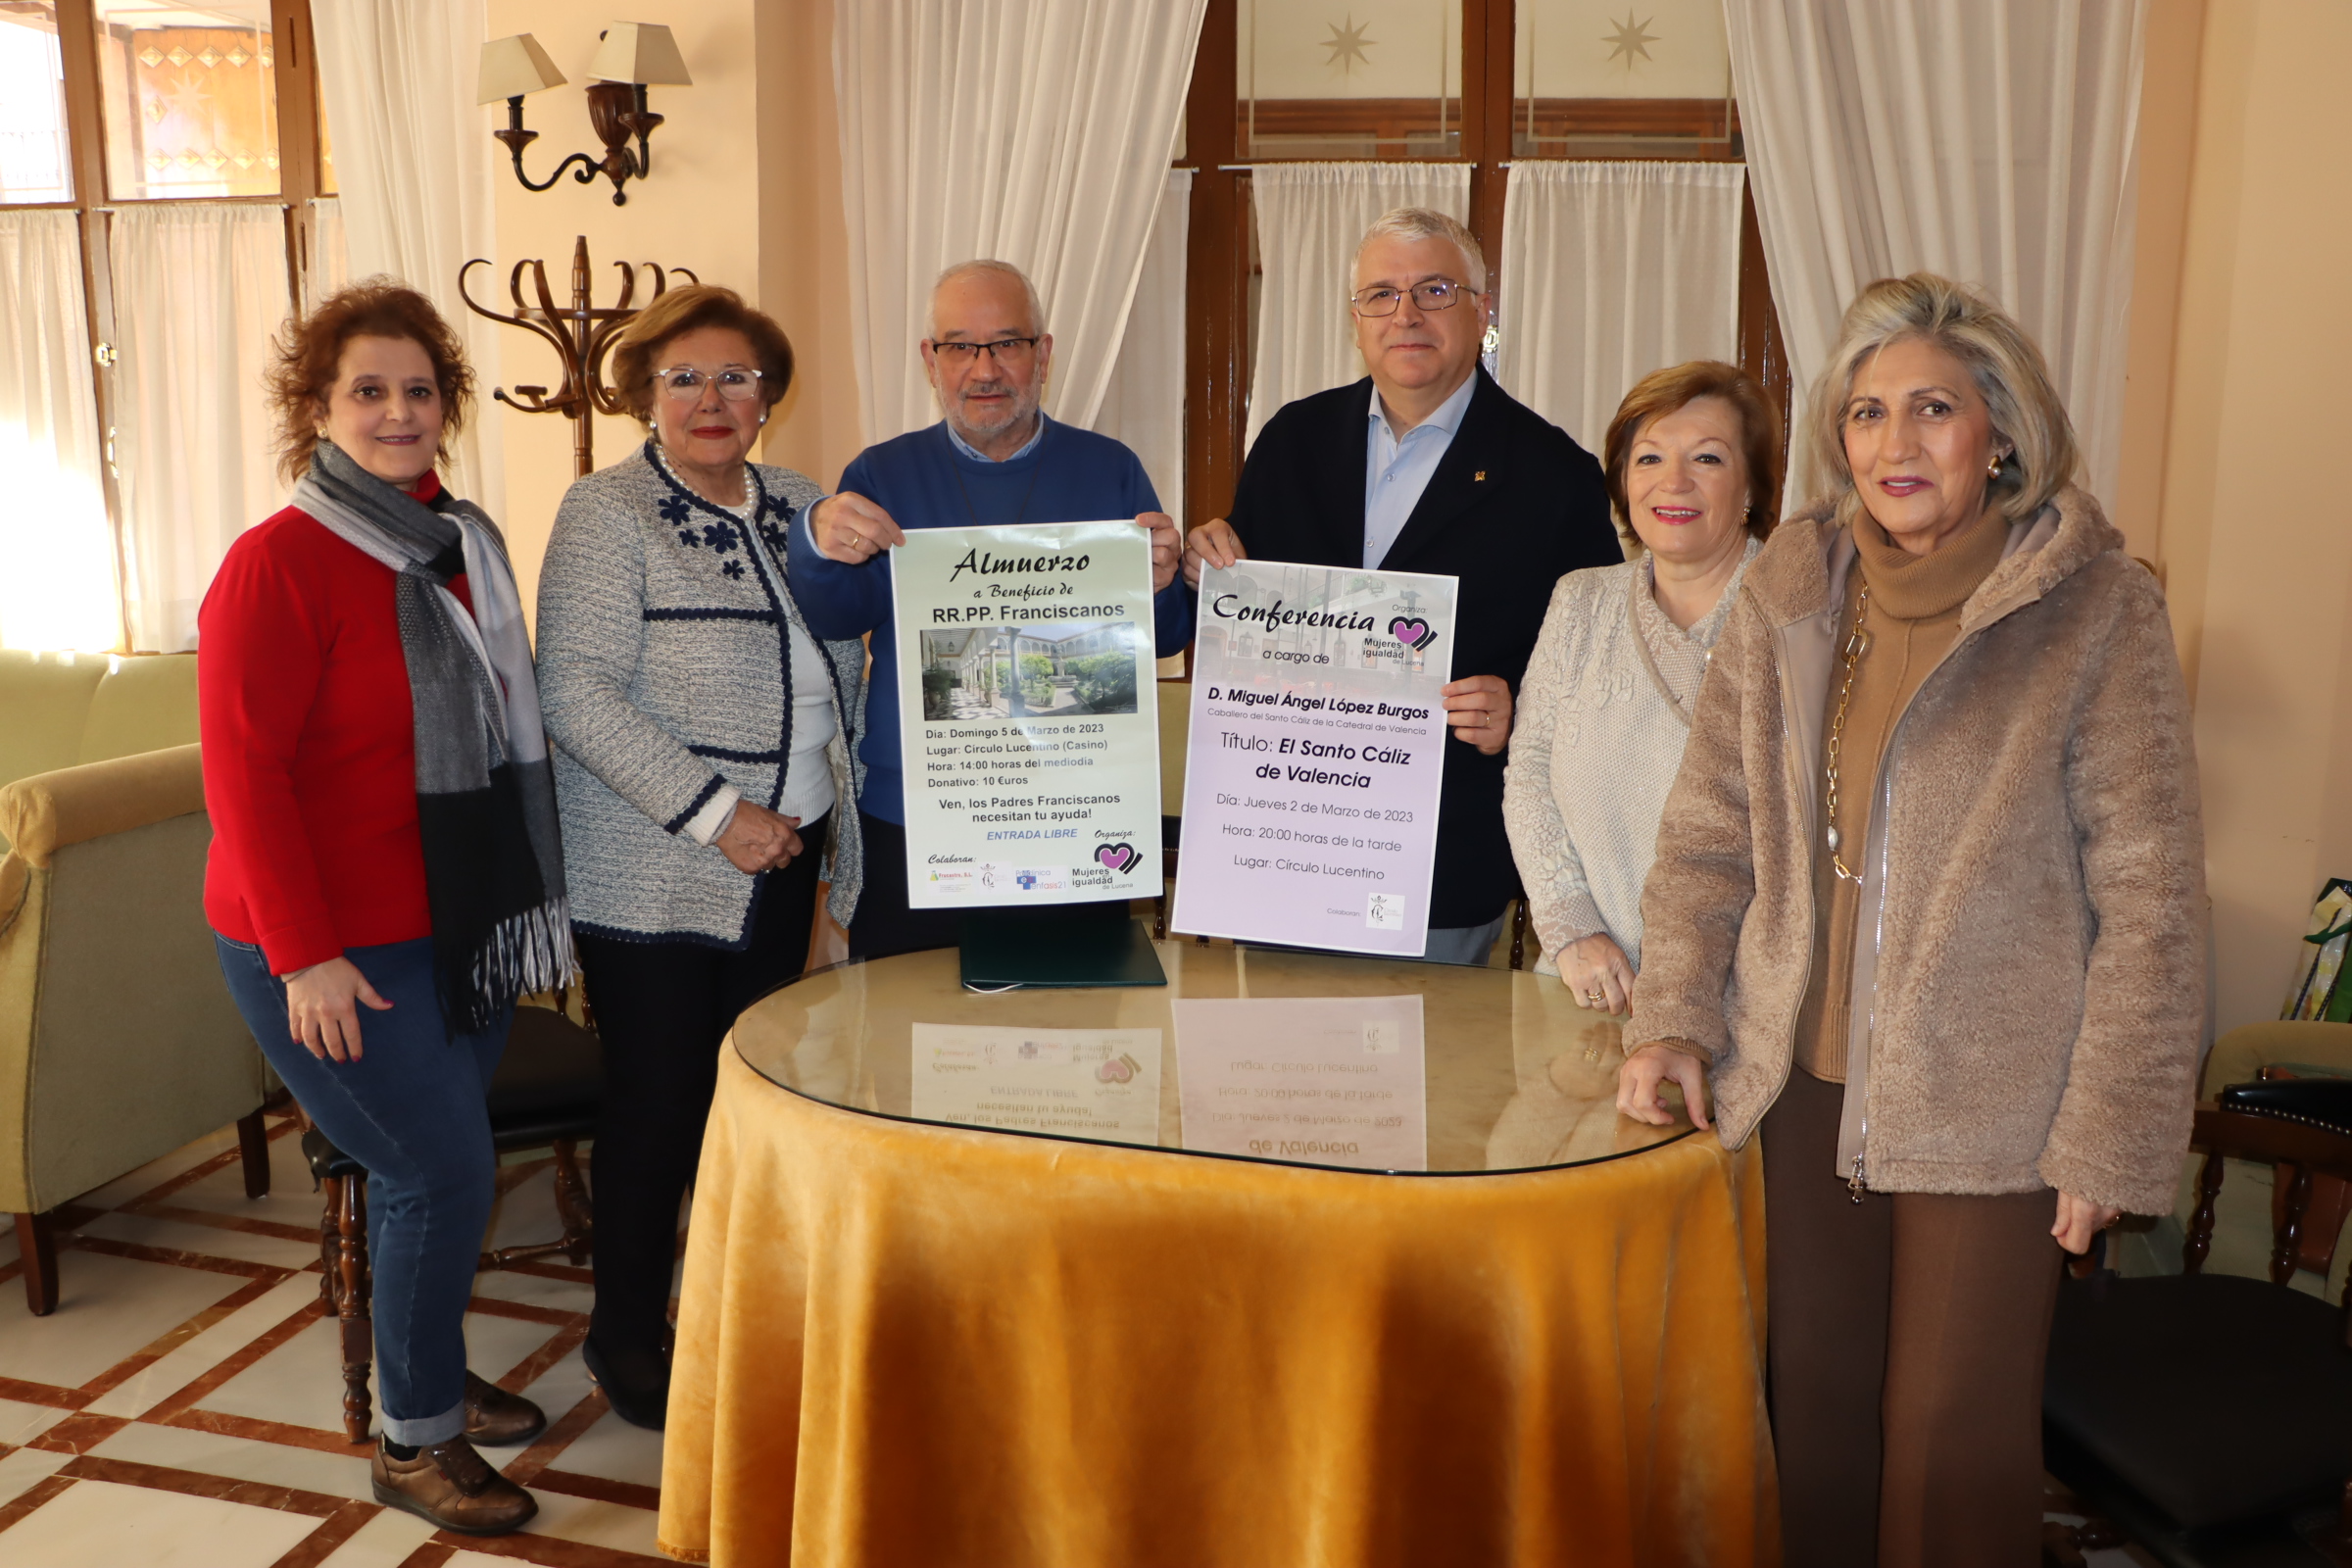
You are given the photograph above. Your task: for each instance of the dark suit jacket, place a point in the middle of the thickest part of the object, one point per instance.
(1513, 505)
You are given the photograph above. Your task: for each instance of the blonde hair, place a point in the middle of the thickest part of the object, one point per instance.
(2008, 367)
(1425, 223)
(994, 268)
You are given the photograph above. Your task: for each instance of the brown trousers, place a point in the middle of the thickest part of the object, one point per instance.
(1908, 1332)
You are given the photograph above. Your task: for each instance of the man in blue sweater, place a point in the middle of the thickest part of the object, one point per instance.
(993, 460)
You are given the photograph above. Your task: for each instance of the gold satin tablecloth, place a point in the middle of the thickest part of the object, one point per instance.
(902, 1344)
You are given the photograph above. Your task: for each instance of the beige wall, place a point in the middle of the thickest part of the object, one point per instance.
(2253, 521)
(745, 191)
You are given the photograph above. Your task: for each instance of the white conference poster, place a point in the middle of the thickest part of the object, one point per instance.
(1322, 1080)
(1318, 737)
(1029, 735)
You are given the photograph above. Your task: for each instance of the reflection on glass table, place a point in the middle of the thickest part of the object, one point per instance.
(1283, 1058)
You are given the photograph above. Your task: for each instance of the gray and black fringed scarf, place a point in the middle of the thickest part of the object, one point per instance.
(485, 791)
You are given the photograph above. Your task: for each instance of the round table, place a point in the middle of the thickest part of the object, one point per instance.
(1297, 1259)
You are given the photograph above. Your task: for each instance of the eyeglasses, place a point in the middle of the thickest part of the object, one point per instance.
(1000, 351)
(1438, 294)
(684, 382)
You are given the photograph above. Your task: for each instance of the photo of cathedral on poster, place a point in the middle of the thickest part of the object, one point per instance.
(1058, 671)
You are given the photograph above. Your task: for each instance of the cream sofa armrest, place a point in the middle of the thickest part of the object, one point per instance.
(40, 815)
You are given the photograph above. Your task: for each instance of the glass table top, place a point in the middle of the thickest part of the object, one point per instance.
(1299, 1059)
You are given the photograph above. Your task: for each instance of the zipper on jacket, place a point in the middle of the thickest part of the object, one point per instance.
(1882, 803)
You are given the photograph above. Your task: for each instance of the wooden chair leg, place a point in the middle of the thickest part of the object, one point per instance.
(573, 1204)
(252, 1147)
(356, 1324)
(36, 1245)
(330, 1242)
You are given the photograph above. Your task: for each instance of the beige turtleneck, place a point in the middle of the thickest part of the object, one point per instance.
(1913, 621)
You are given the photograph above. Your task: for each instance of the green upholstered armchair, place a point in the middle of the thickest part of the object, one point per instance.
(118, 1040)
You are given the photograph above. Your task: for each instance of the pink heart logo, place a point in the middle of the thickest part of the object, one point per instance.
(1115, 856)
(1412, 631)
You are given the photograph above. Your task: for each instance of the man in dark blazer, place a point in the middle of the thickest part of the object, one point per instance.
(1426, 466)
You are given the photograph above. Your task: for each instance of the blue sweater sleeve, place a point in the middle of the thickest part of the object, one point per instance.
(837, 602)
(1172, 605)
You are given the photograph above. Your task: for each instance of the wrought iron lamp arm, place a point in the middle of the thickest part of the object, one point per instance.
(518, 138)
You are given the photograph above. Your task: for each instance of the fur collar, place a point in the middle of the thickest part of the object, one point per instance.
(1809, 555)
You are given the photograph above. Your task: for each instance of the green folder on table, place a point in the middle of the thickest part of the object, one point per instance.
(1000, 955)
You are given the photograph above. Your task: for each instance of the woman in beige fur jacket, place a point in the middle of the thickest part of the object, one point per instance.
(1927, 908)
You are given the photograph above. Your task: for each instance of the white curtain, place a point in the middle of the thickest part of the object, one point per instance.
(1035, 132)
(327, 266)
(1611, 270)
(1309, 219)
(198, 290)
(57, 549)
(1144, 404)
(413, 161)
(1990, 140)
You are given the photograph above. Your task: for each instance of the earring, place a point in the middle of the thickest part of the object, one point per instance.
(1992, 470)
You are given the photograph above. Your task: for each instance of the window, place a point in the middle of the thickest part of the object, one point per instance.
(115, 113)
(33, 108)
(1472, 83)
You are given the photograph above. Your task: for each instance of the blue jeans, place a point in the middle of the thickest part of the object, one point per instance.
(411, 1109)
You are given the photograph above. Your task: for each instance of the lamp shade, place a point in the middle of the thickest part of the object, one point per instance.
(641, 52)
(513, 66)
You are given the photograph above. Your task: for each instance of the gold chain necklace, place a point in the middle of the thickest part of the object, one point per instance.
(1857, 643)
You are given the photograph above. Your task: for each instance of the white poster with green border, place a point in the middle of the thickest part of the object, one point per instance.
(1029, 732)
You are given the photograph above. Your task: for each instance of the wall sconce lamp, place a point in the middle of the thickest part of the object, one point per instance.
(634, 56)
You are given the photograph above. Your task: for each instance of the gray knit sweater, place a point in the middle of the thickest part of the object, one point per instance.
(661, 674)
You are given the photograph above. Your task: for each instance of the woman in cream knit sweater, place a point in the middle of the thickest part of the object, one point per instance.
(1693, 462)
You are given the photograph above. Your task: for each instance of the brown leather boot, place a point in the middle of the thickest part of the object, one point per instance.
(453, 1486)
(497, 1419)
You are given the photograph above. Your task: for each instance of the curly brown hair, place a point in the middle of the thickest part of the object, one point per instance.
(309, 351)
(680, 310)
(1664, 391)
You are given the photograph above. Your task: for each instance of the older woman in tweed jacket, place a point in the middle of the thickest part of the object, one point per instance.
(704, 740)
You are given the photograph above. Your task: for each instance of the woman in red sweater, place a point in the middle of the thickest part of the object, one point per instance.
(384, 844)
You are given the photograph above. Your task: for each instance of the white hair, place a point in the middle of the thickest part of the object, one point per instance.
(1424, 223)
(996, 269)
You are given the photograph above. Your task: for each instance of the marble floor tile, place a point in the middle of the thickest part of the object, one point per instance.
(20, 1424)
(23, 1470)
(535, 1290)
(595, 1524)
(562, 1386)
(388, 1539)
(616, 1451)
(238, 1458)
(290, 1199)
(138, 1183)
(107, 1308)
(158, 1381)
(301, 1382)
(526, 1213)
(147, 1230)
(98, 1523)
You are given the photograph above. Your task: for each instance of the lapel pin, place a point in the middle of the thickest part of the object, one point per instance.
(1480, 477)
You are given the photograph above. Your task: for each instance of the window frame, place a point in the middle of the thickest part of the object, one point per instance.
(295, 75)
(1220, 241)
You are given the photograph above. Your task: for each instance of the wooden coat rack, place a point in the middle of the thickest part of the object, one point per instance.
(581, 337)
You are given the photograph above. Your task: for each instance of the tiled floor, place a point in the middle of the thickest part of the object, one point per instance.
(184, 1403)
